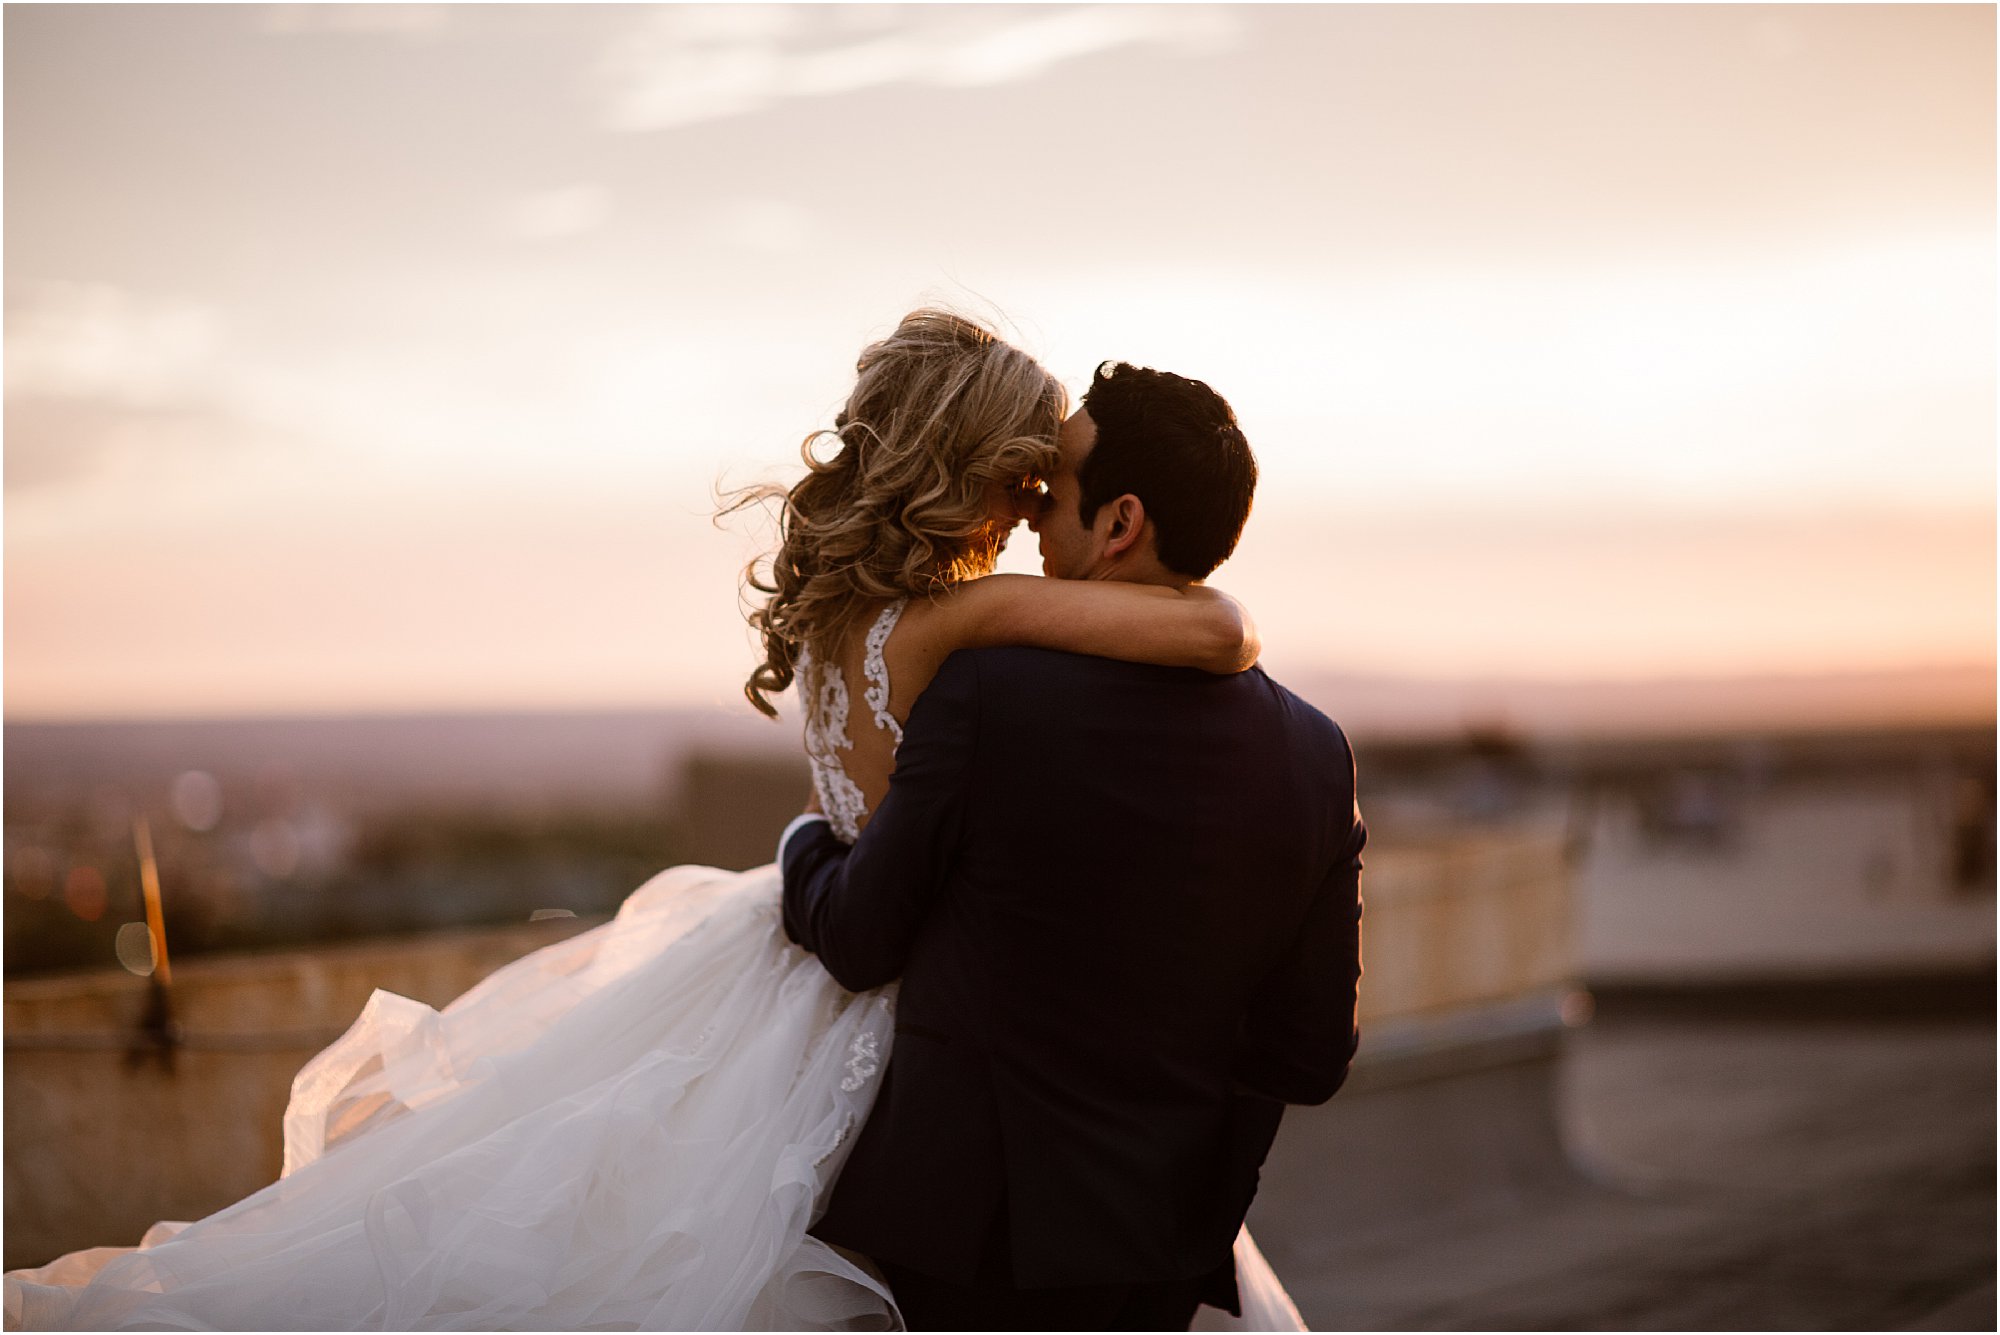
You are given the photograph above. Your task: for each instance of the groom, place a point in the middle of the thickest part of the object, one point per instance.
(1124, 903)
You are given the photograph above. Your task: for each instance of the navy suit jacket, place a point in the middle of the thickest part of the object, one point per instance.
(1124, 903)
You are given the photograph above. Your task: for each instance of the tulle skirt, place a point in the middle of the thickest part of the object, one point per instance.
(627, 1130)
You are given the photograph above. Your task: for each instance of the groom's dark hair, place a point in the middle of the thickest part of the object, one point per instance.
(1173, 443)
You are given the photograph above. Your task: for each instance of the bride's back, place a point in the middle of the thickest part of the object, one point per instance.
(859, 699)
(853, 721)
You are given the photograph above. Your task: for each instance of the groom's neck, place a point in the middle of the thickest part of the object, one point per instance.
(1134, 569)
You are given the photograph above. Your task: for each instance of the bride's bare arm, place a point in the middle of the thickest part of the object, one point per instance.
(1140, 623)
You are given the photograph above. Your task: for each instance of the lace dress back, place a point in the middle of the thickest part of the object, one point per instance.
(823, 688)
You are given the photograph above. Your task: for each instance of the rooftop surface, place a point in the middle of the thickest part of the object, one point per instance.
(1740, 1175)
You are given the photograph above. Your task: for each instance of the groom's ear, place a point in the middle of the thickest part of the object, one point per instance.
(1127, 525)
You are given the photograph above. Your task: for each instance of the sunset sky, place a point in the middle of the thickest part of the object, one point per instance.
(391, 357)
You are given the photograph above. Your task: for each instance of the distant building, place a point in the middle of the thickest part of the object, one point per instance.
(734, 805)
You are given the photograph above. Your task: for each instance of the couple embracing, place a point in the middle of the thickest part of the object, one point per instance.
(1002, 1040)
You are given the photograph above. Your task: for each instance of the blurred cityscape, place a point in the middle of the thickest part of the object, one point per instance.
(276, 832)
(273, 833)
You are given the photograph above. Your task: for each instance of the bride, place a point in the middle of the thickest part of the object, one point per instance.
(633, 1128)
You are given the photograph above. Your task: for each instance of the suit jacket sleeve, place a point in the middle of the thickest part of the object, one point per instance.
(860, 909)
(1299, 1034)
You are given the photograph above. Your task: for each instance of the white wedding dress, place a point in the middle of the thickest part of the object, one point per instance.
(627, 1130)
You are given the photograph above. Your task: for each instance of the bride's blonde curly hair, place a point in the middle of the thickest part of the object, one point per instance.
(942, 410)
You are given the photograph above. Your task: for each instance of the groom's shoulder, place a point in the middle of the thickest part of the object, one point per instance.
(1306, 717)
(1305, 710)
(1049, 684)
